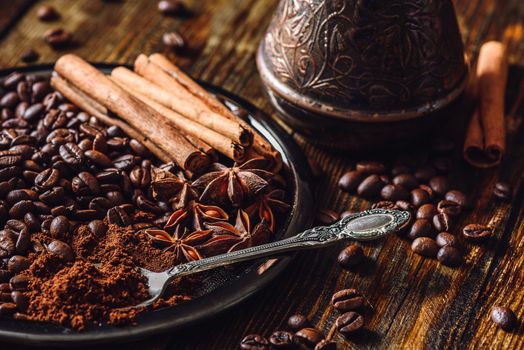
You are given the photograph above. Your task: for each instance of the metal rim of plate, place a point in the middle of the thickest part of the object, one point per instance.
(246, 280)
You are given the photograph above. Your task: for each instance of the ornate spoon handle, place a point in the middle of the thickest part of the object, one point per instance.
(363, 226)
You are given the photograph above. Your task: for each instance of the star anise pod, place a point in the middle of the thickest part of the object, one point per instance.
(174, 189)
(227, 237)
(234, 185)
(267, 204)
(182, 244)
(195, 215)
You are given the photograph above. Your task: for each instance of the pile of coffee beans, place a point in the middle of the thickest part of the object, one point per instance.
(60, 168)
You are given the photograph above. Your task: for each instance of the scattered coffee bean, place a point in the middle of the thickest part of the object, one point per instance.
(394, 193)
(419, 197)
(439, 185)
(327, 216)
(173, 41)
(29, 56)
(326, 345)
(426, 211)
(407, 181)
(349, 323)
(351, 256)
(503, 191)
(384, 205)
(309, 336)
(350, 181)
(370, 167)
(458, 197)
(58, 38)
(442, 222)
(254, 342)
(504, 317)
(449, 256)
(448, 207)
(370, 187)
(281, 339)
(348, 300)
(425, 246)
(476, 233)
(445, 238)
(420, 228)
(171, 7)
(47, 13)
(298, 321)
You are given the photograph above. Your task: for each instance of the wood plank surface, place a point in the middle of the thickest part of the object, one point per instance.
(417, 303)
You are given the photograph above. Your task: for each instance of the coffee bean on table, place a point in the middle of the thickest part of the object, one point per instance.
(47, 13)
(173, 41)
(171, 7)
(326, 345)
(476, 233)
(370, 167)
(503, 191)
(448, 207)
(327, 216)
(504, 317)
(420, 228)
(426, 211)
(445, 238)
(298, 321)
(351, 256)
(419, 197)
(370, 187)
(449, 256)
(350, 180)
(407, 181)
(58, 38)
(29, 56)
(348, 300)
(458, 197)
(281, 339)
(439, 184)
(394, 193)
(309, 336)
(254, 342)
(425, 246)
(442, 222)
(349, 323)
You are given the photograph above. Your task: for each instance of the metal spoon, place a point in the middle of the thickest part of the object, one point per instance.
(364, 226)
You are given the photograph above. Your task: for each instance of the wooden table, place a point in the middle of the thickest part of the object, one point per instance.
(417, 302)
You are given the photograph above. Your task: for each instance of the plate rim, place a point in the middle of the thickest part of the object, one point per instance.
(198, 310)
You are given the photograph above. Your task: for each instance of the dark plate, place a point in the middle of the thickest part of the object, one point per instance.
(224, 287)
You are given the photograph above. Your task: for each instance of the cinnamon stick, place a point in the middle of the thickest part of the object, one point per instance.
(224, 145)
(261, 146)
(185, 103)
(98, 87)
(485, 140)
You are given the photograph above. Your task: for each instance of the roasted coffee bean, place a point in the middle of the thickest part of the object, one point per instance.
(348, 300)
(63, 250)
(449, 256)
(370, 167)
(171, 7)
(442, 164)
(281, 340)
(349, 323)
(4, 288)
(174, 41)
(15, 225)
(98, 158)
(476, 233)
(33, 112)
(504, 317)
(39, 90)
(448, 207)
(407, 181)
(47, 13)
(428, 190)
(420, 228)
(394, 193)
(139, 148)
(97, 227)
(5, 276)
(53, 196)
(116, 197)
(446, 238)
(100, 204)
(309, 336)
(425, 246)
(32, 221)
(17, 263)
(71, 154)
(85, 145)
(23, 241)
(458, 197)
(20, 300)
(370, 187)
(442, 222)
(7, 309)
(425, 174)
(58, 38)
(140, 177)
(118, 143)
(146, 205)
(86, 214)
(89, 181)
(426, 211)
(503, 190)
(125, 162)
(19, 209)
(254, 342)
(385, 179)
(12, 80)
(16, 196)
(100, 143)
(118, 216)
(59, 227)
(9, 100)
(351, 256)
(327, 216)
(19, 282)
(384, 205)
(42, 208)
(439, 185)
(326, 345)
(298, 321)
(47, 178)
(419, 197)
(7, 243)
(350, 181)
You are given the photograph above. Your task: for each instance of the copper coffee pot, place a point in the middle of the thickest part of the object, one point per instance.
(345, 72)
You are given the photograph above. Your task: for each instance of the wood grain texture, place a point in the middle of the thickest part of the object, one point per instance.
(417, 302)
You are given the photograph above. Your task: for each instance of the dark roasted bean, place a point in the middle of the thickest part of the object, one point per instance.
(425, 246)
(9, 100)
(59, 227)
(426, 211)
(442, 222)
(407, 181)
(19, 209)
(20, 300)
(19, 282)
(439, 185)
(349, 323)
(171, 7)
(442, 164)
(348, 300)
(404, 205)
(17, 263)
(449, 256)
(351, 256)
(370, 167)
(446, 238)
(16, 196)
(350, 181)
(47, 13)
(503, 190)
(63, 250)
(370, 187)
(458, 197)
(47, 178)
(53, 196)
(40, 89)
(140, 177)
(476, 233)
(309, 336)
(394, 193)
(118, 216)
(125, 162)
(98, 158)
(384, 205)
(58, 38)
(420, 228)
(7, 309)
(504, 317)
(281, 340)
(254, 342)
(71, 154)
(33, 112)
(296, 322)
(419, 197)
(23, 241)
(12, 80)
(32, 221)
(448, 207)
(97, 227)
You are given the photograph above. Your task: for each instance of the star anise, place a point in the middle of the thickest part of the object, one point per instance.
(195, 215)
(267, 204)
(227, 237)
(182, 244)
(234, 185)
(174, 189)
